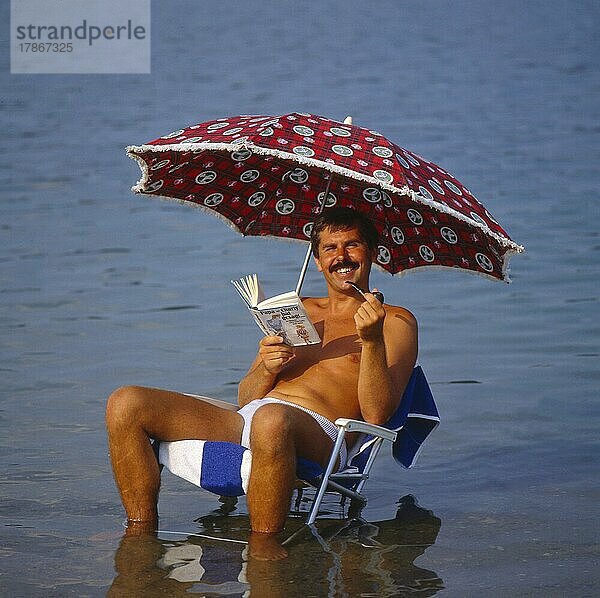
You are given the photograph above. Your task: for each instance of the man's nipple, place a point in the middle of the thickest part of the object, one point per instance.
(354, 357)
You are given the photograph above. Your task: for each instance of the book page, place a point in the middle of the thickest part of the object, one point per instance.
(249, 289)
(290, 298)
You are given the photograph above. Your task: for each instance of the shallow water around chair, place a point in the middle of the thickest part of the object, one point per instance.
(101, 288)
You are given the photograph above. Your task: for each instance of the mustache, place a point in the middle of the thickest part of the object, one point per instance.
(344, 264)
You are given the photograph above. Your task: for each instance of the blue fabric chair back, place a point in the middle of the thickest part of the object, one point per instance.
(416, 417)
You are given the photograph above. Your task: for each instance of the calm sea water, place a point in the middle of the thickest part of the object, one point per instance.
(100, 288)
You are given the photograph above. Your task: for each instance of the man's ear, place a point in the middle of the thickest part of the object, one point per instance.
(318, 264)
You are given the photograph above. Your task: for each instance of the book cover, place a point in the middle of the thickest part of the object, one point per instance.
(282, 315)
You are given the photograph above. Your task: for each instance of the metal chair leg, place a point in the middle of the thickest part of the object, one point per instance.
(325, 481)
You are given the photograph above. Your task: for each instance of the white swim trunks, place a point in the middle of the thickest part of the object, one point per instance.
(248, 411)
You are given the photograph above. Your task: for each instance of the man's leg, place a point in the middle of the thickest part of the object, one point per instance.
(134, 415)
(279, 435)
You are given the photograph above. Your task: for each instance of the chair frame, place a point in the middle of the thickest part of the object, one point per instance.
(329, 480)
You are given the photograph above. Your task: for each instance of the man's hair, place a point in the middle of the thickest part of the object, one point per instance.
(336, 219)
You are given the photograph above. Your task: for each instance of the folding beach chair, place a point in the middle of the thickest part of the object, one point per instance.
(224, 467)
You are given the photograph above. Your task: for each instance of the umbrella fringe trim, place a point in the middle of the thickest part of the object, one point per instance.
(138, 189)
(134, 150)
(505, 275)
(399, 274)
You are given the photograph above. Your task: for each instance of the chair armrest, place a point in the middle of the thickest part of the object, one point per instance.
(355, 425)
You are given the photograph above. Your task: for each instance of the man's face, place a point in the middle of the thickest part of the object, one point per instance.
(344, 256)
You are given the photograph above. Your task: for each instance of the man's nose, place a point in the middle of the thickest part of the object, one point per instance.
(341, 254)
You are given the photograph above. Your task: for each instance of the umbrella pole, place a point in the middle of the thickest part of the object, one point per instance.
(309, 250)
(304, 269)
(347, 121)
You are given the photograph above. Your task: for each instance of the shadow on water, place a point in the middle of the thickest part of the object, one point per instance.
(334, 558)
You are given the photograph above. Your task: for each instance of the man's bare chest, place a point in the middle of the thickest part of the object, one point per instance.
(340, 345)
(338, 329)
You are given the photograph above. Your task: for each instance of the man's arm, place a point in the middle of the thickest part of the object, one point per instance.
(272, 357)
(389, 353)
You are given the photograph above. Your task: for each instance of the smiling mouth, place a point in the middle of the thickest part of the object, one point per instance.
(344, 268)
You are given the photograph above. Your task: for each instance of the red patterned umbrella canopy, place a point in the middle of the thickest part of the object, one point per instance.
(269, 175)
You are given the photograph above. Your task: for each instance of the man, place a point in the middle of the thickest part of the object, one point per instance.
(288, 398)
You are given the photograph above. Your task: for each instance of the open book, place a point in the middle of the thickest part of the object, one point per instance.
(282, 315)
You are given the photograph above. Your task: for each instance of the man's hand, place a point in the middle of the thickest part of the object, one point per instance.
(369, 319)
(274, 353)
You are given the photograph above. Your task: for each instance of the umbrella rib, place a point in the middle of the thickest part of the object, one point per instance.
(308, 251)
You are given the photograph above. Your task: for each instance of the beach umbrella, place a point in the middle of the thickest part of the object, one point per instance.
(273, 175)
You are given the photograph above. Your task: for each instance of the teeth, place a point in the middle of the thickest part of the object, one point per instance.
(344, 270)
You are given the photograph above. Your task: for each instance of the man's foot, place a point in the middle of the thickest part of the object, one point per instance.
(136, 527)
(265, 547)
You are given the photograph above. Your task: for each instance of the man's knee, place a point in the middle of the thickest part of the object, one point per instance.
(271, 428)
(123, 405)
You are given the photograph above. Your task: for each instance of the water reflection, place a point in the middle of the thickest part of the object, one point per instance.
(334, 558)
